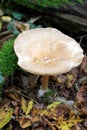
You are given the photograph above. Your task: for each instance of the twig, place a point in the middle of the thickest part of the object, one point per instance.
(4, 39)
(49, 123)
(32, 20)
(24, 95)
(85, 35)
(80, 40)
(4, 33)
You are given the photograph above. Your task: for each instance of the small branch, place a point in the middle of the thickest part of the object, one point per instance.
(80, 40)
(49, 123)
(4, 33)
(7, 37)
(32, 20)
(18, 92)
(85, 35)
(24, 95)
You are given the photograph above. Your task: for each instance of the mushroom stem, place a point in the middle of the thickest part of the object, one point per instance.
(44, 81)
(44, 85)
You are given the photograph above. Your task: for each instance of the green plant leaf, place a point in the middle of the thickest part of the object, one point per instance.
(1, 79)
(17, 15)
(80, 1)
(11, 27)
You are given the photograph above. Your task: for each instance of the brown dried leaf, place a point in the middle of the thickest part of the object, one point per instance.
(49, 123)
(82, 107)
(84, 65)
(21, 26)
(24, 122)
(82, 94)
(53, 116)
(81, 100)
(40, 128)
(28, 121)
(13, 96)
(11, 92)
(16, 111)
(85, 123)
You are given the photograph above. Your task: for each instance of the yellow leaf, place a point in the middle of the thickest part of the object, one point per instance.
(5, 116)
(63, 127)
(64, 124)
(6, 18)
(0, 25)
(70, 77)
(23, 104)
(29, 107)
(53, 105)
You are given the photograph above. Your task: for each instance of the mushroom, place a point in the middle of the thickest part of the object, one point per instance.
(46, 52)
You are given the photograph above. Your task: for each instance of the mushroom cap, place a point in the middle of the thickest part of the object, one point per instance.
(47, 51)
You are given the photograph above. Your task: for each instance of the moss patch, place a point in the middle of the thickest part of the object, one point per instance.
(35, 4)
(8, 59)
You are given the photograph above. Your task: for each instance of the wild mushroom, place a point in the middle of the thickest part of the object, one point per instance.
(47, 51)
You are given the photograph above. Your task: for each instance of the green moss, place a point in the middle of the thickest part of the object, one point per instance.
(8, 59)
(38, 4)
(51, 3)
(47, 97)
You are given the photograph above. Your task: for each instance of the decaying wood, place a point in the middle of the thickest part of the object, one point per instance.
(71, 17)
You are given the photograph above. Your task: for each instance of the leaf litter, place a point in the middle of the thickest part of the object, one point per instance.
(30, 112)
(64, 109)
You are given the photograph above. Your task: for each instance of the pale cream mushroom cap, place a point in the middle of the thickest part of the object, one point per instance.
(47, 51)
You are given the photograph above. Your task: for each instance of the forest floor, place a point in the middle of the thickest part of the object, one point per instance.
(63, 107)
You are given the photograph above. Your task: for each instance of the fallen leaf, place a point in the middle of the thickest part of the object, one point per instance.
(24, 122)
(6, 18)
(16, 111)
(21, 26)
(5, 116)
(53, 105)
(29, 107)
(13, 96)
(84, 65)
(66, 124)
(70, 80)
(23, 104)
(81, 100)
